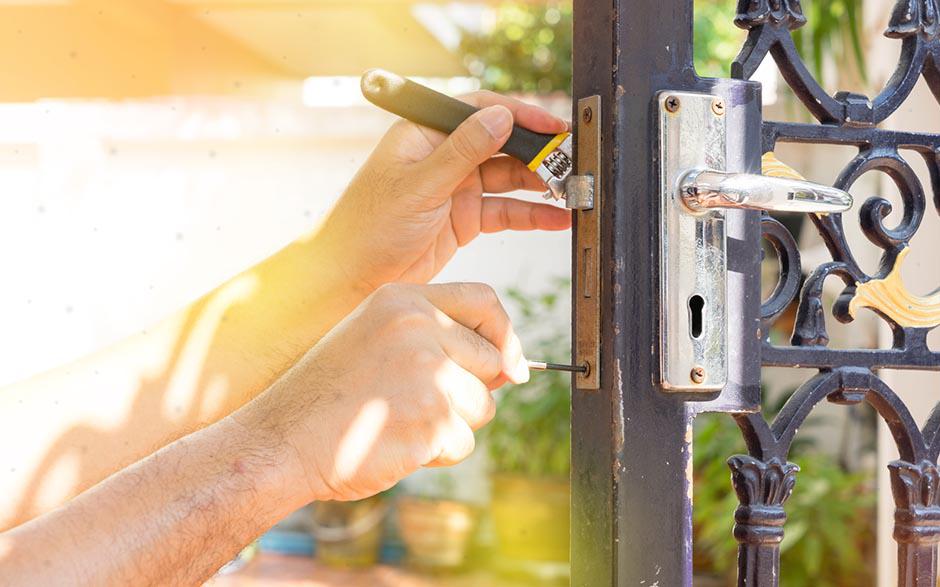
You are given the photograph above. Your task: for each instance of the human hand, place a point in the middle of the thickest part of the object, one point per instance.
(419, 196)
(401, 383)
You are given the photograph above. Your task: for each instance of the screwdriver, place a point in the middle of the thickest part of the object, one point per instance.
(542, 366)
(549, 156)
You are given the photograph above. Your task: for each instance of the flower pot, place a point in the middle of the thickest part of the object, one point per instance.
(531, 517)
(436, 532)
(349, 534)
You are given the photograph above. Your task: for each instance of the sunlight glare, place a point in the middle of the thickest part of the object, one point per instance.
(58, 482)
(192, 359)
(360, 437)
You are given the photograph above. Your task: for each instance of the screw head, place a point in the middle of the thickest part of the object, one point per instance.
(587, 115)
(672, 104)
(698, 374)
(718, 107)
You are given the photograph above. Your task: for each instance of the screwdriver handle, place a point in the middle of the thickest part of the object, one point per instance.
(426, 107)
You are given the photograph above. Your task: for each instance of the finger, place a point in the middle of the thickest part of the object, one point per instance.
(498, 214)
(498, 382)
(465, 210)
(468, 349)
(477, 307)
(454, 442)
(508, 174)
(469, 397)
(479, 137)
(526, 115)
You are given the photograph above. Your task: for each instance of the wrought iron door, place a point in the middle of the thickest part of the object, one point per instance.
(631, 473)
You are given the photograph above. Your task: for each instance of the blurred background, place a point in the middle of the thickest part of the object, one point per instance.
(151, 149)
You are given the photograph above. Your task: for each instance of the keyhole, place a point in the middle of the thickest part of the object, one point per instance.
(697, 315)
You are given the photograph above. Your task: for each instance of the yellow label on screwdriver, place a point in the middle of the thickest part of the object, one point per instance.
(551, 146)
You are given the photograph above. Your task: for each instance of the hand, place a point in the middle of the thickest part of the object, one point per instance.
(401, 383)
(419, 196)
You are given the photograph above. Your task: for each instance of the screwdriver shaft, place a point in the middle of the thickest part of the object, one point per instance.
(542, 366)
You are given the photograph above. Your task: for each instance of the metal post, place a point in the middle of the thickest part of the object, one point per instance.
(631, 443)
(631, 510)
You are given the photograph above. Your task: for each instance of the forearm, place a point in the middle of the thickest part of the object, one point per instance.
(75, 426)
(173, 518)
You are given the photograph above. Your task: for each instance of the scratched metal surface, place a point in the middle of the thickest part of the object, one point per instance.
(631, 443)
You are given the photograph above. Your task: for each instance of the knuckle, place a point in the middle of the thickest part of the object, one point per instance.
(475, 97)
(485, 95)
(518, 177)
(389, 293)
(488, 295)
(491, 362)
(465, 148)
(425, 361)
(409, 320)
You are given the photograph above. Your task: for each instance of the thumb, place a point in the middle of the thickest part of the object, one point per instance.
(479, 137)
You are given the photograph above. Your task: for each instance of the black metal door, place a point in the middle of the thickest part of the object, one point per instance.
(631, 441)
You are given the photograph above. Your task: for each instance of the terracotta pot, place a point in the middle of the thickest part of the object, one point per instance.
(349, 534)
(436, 533)
(532, 518)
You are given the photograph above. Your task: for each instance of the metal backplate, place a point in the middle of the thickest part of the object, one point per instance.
(587, 282)
(693, 261)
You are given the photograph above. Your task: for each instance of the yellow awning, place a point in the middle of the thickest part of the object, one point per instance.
(136, 48)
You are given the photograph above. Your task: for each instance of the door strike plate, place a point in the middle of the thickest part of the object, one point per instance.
(587, 282)
(693, 261)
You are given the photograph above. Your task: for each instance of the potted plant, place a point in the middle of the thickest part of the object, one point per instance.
(829, 538)
(348, 534)
(435, 527)
(529, 443)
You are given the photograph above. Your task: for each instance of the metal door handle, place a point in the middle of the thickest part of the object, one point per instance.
(702, 190)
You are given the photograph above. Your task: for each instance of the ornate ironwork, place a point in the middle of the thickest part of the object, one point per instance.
(764, 479)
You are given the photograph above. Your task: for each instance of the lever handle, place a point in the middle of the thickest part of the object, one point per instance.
(705, 189)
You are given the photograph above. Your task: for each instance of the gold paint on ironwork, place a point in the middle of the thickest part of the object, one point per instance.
(890, 297)
(773, 167)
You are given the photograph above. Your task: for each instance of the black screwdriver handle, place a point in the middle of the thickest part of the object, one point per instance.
(432, 109)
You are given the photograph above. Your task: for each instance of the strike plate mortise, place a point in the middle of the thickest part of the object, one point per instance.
(587, 282)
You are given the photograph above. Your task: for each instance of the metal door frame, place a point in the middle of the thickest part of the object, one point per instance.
(631, 443)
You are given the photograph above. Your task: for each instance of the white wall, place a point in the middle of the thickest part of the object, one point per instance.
(115, 214)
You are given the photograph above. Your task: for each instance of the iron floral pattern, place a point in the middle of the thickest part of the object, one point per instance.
(753, 13)
(913, 17)
(764, 479)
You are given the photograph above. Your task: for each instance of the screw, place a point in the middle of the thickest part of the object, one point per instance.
(718, 107)
(698, 374)
(587, 115)
(672, 104)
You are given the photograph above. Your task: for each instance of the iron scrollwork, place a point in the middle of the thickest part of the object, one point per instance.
(764, 479)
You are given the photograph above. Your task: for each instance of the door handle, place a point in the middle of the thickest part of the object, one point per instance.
(702, 190)
(698, 195)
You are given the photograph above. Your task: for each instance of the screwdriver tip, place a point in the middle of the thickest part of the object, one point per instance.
(543, 366)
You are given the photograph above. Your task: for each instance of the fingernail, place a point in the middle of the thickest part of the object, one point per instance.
(520, 374)
(497, 121)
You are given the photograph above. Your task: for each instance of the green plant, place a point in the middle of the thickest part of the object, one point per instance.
(833, 28)
(528, 48)
(716, 39)
(829, 539)
(532, 434)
